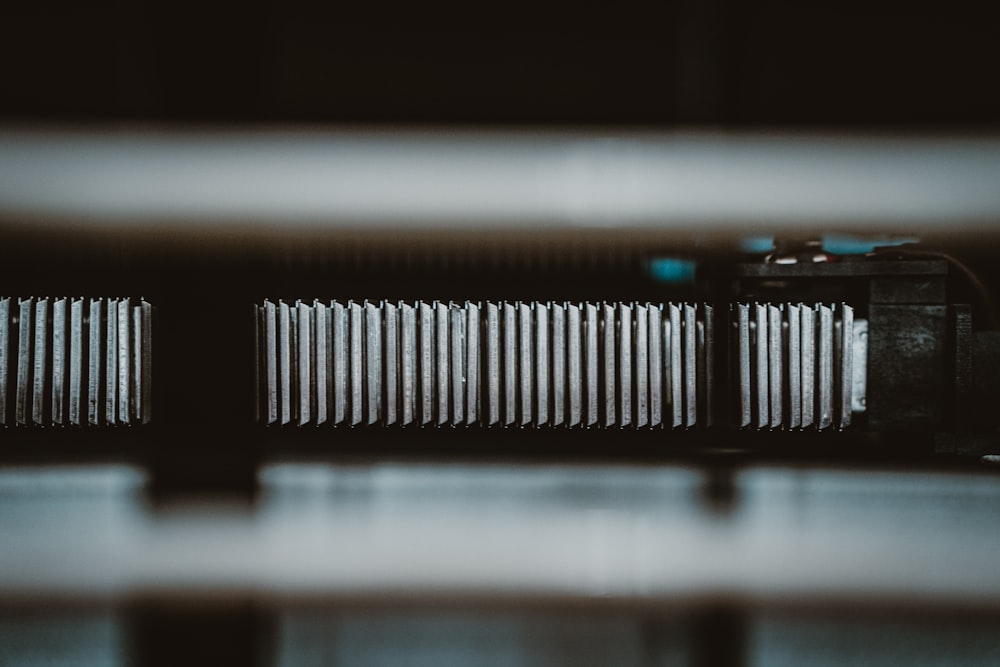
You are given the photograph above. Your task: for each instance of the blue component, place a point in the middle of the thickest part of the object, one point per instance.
(673, 269)
(845, 244)
(757, 245)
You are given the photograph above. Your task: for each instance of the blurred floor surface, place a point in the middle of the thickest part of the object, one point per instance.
(513, 564)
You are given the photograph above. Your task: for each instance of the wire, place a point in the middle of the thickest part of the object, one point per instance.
(975, 282)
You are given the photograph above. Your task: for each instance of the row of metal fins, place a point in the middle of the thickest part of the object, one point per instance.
(795, 365)
(75, 361)
(502, 364)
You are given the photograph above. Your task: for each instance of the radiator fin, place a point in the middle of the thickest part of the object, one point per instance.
(498, 364)
(794, 365)
(73, 362)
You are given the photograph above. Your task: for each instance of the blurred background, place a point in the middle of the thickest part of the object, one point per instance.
(890, 66)
(210, 157)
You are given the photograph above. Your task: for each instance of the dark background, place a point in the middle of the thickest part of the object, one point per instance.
(719, 62)
(752, 64)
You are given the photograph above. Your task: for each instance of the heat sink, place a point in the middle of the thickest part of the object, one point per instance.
(75, 361)
(506, 364)
(799, 366)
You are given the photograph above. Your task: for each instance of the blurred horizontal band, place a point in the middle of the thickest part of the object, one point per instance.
(277, 182)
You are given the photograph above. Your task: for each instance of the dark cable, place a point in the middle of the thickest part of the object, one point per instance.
(975, 282)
